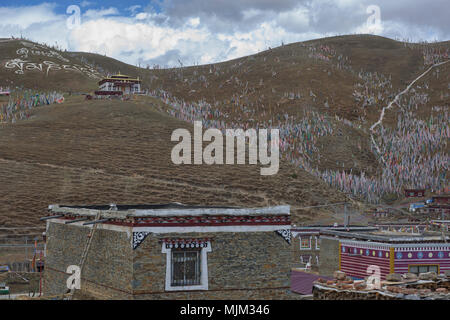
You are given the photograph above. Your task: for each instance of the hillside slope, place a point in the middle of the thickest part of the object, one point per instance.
(34, 66)
(324, 95)
(119, 151)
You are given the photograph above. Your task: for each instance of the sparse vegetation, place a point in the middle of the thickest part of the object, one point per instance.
(119, 151)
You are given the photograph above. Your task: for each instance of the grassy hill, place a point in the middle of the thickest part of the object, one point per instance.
(34, 66)
(103, 151)
(346, 79)
(88, 152)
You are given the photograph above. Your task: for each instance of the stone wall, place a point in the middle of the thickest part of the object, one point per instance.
(322, 293)
(108, 267)
(252, 265)
(329, 256)
(405, 289)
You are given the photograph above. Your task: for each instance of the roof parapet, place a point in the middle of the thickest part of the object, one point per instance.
(384, 238)
(115, 211)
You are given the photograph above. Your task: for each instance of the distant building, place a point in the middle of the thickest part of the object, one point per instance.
(443, 199)
(440, 225)
(438, 206)
(306, 242)
(118, 85)
(409, 227)
(381, 212)
(414, 193)
(4, 91)
(390, 252)
(435, 210)
(170, 251)
(306, 251)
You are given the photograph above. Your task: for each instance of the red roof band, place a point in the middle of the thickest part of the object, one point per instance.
(189, 221)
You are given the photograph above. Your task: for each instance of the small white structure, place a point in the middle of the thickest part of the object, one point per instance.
(4, 91)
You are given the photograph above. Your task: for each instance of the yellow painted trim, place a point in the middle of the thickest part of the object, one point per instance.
(340, 253)
(392, 260)
(119, 75)
(121, 79)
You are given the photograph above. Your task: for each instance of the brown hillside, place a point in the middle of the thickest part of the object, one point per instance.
(322, 75)
(119, 151)
(34, 66)
(113, 151)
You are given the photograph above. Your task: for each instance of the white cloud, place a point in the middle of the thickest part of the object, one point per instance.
(142, 16)
(193, 22)
(86, 3)
(24, 17)
(120, 37)
(201, 38)
(297, 19)
(94, 14)
(133, 9)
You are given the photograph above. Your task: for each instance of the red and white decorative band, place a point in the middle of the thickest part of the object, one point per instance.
(211, 221)
(186, 243)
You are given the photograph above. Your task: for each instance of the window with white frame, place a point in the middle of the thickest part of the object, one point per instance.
(317, 239)
(305, 243)
(186, 265)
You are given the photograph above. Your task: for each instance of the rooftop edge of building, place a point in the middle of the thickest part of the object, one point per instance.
(164, 210)
(390, 238)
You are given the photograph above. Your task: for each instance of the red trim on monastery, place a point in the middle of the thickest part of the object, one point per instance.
(413, 193)
(191, 221)
(109, 93)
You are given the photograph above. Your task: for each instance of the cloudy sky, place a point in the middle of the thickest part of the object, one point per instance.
(167, 32)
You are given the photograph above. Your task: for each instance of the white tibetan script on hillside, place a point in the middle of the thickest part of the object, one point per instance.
(23, 62)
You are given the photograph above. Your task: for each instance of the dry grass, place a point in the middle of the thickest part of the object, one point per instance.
(87, 152)
(117, 151)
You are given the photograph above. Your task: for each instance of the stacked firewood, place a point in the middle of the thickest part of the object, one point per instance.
(426, 286)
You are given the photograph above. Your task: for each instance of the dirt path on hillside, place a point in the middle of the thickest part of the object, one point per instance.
(380, 120)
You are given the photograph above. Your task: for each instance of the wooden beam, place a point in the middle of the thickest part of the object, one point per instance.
(76, 220)
(51, 217)
(95, 221)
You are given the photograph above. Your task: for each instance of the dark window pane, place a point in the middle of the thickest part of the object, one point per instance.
(414, 269)
(191, 267)
(185, 268)
(177, 268)
(433, 269)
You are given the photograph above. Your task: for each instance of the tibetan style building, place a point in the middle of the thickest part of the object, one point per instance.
(387, 251)
(118, 85)
(169, 251)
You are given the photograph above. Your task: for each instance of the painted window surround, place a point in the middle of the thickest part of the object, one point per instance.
(317, 239)
(203, 270)
(305, 248)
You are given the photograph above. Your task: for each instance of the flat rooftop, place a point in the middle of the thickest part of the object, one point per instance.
(318, 228)
(163, 210)
(388, 236)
